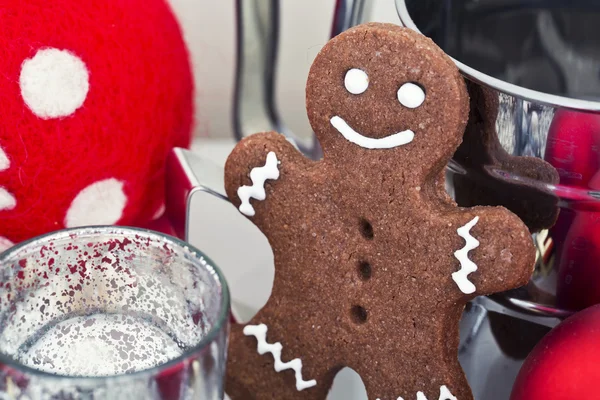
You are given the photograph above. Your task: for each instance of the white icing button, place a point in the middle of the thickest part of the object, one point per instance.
(7, 200)
(4, 161)
(411, 95)
(101, 203)
(54, 83)
(356, 81)
(5, 244)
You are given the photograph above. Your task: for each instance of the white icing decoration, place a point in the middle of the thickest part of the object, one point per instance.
(444, 394)
(411, 95)
(260, 332)
(356, 81)
(258, 176)
(462, 255)
(388, 142)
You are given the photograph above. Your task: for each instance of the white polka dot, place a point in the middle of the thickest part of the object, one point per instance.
(356, 81)
(7, 200)
(4, 161)
(411, 95)
(54, 83)
(5, 244)
(101, 203)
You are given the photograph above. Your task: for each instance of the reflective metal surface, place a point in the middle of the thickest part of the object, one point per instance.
(189, 175)
(542, 63)
(257, 23)
(254, 108)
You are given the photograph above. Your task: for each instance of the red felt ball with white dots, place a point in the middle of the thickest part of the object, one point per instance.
(93, 96)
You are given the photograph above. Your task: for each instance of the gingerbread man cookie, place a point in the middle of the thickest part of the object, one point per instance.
(374, 262)
(494, 177)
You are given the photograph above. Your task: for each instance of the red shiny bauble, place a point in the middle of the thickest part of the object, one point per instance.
(564, 364)
(573, 148)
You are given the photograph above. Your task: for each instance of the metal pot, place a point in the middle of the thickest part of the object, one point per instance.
(540, 60)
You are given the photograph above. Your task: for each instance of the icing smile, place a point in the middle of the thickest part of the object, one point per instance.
(388, 142)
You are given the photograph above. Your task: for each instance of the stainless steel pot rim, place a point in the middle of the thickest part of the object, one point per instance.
(533, 96)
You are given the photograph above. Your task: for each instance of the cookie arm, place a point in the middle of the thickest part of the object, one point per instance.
(257, 166)
(496, 252)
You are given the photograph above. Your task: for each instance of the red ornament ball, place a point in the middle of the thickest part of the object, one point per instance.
(564, 364)
(573, 143)
(94, 94)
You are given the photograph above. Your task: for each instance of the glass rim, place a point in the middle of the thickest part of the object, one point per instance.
(205, 342)
(533, 96)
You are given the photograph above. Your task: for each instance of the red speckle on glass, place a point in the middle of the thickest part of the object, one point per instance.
(82, 268)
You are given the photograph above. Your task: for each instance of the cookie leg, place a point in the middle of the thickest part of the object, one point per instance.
(252, 376)
(430, 382)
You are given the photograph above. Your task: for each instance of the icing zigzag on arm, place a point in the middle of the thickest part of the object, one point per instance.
(258, 176)
(260, 333)
(462, 255)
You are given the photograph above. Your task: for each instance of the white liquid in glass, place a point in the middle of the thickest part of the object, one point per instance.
(99, 345)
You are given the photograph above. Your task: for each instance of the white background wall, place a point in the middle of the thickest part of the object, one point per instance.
(210, 32)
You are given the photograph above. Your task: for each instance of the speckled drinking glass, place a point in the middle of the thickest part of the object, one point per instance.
(111, 313)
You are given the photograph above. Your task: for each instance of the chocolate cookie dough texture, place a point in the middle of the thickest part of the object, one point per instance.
(374, 262)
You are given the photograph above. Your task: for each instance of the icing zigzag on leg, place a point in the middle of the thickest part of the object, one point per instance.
(260, 333)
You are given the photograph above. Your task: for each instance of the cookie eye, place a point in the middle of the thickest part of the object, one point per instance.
(356, 81)
(411, 95)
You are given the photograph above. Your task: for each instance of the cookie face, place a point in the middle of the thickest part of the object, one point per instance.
(374, 262)
(373, 91)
